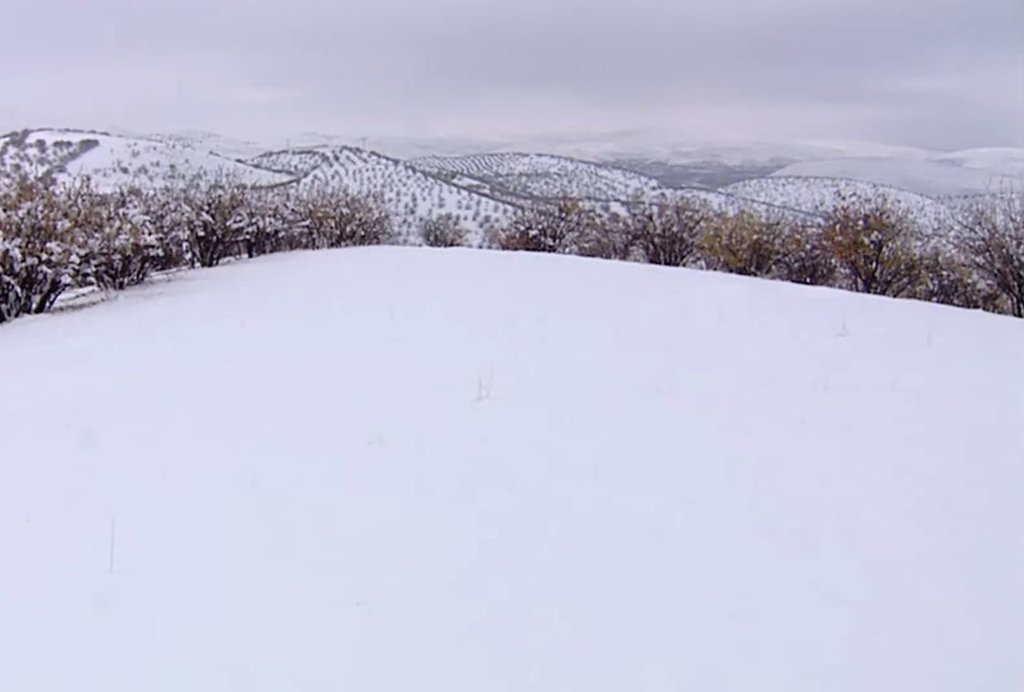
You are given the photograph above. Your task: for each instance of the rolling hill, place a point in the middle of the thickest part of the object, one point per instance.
(541, 176)
(112, 160)
(408, 192)
(932, 178)
(484, 190)
(397, 469)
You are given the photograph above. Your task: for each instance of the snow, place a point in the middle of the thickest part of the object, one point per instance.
(413, 469)
(923, 177)
(543, 176)
(117, 160)
(410, 194)
(820, 195)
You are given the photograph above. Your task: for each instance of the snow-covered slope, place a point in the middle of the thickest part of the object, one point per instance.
(113, 160)
(543, 176)
(410, 194)
(931, 178)
(404, 469)
(1004, 161)
(819, 195)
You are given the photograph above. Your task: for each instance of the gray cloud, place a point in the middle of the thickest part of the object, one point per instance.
(947, 73)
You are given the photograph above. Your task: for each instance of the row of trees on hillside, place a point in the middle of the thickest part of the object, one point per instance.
(58, 236)
(54, 237)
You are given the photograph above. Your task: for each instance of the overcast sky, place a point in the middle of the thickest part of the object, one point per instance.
(941, 73)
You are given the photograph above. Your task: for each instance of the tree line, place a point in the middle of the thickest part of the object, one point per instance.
(57, 235)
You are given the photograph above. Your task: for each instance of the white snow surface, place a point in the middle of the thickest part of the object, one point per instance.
(413, 469)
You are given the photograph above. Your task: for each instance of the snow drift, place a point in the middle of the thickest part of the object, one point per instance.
(405, 469)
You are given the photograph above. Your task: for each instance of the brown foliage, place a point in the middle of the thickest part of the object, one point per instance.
(743, 244)
(40, 248)
(874, 246)
(561, 230)
(334, 219)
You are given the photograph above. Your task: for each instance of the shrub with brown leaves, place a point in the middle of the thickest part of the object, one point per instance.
(41, 251)
(334, 218)
(561, 230)
(876, 247)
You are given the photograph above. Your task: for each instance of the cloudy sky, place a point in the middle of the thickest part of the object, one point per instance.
(941, 73)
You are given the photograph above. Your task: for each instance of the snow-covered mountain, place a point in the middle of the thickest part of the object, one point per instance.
(113, 160)
(391, 469)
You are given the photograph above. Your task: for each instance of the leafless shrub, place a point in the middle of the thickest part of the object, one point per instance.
(541, 230)
(214, 214)
(805, 258)
(444, 230)
(948, 277)
(273, 223)
(667, 231)
(122, 245)
(333, 219)
(992, 239)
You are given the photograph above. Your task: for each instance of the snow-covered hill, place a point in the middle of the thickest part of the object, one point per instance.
(113, 160)
(409, 193)
(387, 469)
(543, 176)
(819, 195)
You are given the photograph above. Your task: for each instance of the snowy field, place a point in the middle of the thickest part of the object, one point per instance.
(409, 469)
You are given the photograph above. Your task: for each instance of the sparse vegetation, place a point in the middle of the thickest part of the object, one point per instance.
(561, 230)
(992, 238)
(41, 250)
(55, 236)
(444, 230)
(744, 244)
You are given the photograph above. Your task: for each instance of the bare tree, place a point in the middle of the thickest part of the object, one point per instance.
(334, 218)
(992, 239)
(667, 231)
